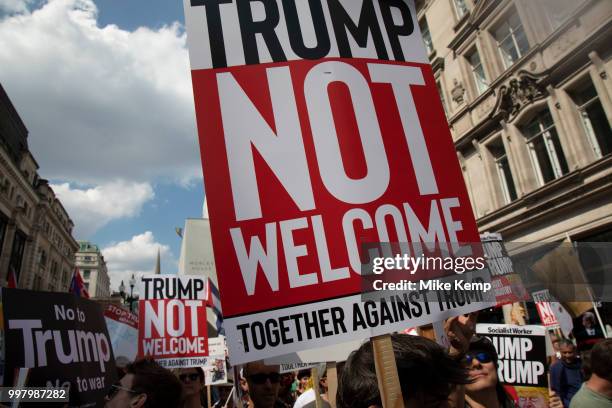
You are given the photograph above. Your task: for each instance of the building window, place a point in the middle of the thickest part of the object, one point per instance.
(426, 34)
(3, 224)
(478, 73)
(504, 175)
(460, 8)
(43, 258)
(19, 243)
(442, 98)
(594, 119)
(86, 273)
(544, 148)
(511, 40)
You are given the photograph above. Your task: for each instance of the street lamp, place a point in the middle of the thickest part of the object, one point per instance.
(130, 299)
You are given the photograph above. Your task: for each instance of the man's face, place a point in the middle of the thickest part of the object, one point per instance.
(482, 372)
(588, 322)
(568, 353)
(121, 396)
(263, 383)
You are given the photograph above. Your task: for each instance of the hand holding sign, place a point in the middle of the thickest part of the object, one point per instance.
(460, 330)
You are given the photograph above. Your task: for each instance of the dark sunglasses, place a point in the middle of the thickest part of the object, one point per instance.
(482, 357)
(261, 378)
(192, 377)
(114, 389)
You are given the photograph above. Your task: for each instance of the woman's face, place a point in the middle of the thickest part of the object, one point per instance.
(191, 380)
(482, 372)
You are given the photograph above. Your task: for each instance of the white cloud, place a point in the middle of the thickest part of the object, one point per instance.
(92, 208)
(100, 103)
(136, 256)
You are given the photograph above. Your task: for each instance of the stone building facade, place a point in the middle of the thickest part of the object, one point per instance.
(92, 266)
(527, 89)
(35, 230)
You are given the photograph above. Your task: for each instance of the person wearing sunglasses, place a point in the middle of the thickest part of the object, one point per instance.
(193, 383)
(264, 383)
(485, 390)
(146, 384)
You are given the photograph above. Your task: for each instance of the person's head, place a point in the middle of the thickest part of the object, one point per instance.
(146, 384)
(601, 360)
(286, 380)
(244, 386)
(568, 351)
(193, 381)
(303, 377)
(533, 397)
(588, 320)
(481, 360)
(555, 342)
(323, 382)
(426, 372)
(263, 381)
(585, 367)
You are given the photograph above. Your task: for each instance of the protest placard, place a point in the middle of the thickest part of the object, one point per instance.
(317, 122)
(552, 313)
(172, 319)
(63, 341)
(215, 369)
(522, 364)
(507, 284)
(123, 331)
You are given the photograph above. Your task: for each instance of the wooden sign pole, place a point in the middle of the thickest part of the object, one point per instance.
(332, 383)
(208, 396)
(315, 386)
(386, 372)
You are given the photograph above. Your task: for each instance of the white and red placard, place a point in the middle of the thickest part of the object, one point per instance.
(122, 328)
(172, 326)
(544, 304)
(320, 129)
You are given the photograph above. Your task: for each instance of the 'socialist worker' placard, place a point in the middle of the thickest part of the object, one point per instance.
(172, 320)
(522, 360)
(320, 128)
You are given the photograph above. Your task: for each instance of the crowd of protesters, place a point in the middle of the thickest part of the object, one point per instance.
(462, 376)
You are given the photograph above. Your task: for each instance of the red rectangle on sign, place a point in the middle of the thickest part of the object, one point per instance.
(172, 328)
(305, 160)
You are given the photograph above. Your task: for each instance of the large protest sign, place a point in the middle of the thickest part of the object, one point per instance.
(123, 331)
(62, 339)
(522, 360)
(318, 122)
(172, 320)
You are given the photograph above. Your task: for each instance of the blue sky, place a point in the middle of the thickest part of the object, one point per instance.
(104, 89)
(131, 14)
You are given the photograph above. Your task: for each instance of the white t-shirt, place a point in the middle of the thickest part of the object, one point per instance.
(304, 399)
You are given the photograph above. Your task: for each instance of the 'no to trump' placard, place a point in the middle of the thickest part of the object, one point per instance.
(62, 340)
(320, 128)
(172, 320)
